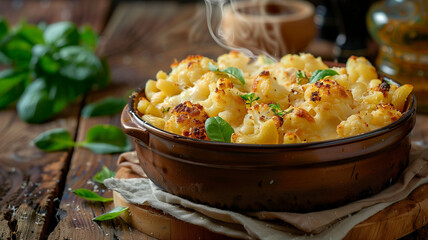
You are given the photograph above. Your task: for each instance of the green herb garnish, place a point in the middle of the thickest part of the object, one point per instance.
(321, 74)
(249, 98)
(164, 110)
(89, 195)
(101, 139)
(276, 109)
(233, 71)
(111, 214)
(218, 129)
(300, 76)
(105, 107)
(268, 60)
(103, 175)
(48, 67)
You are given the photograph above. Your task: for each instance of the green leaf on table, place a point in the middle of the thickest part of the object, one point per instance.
(17, 45)
(111, 214)
(233, 71)
(61, 34)
(79, 64)
(218, 129)
(42, 62)
(89, 195)
(88, 38)
(58, 139)
(35, 104)
(12, 85)
(321, 74)
(3, 27)
(103, 175)
(105, 139)
(104, 107)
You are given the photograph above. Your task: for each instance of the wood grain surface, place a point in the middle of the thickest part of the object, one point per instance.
(139, 38)
(138, 41)
(31, 181)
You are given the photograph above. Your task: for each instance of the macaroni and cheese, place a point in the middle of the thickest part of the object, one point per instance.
(350, 102)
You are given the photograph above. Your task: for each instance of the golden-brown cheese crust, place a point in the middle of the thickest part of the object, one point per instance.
(188, 119)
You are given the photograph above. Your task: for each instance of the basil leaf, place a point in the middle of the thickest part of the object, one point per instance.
(79, 64)
(12, 85)
(106, 106)
(218, 129)
(321, 74)
(61, 34)
(42, 62)
(235, 72)
(111, 214)
(88, 38)
(3, 27)
(89, 195)
(105, 139)
(35, 104)
(57, 139)
(268, 60)
(103, 174)
(17, 44)
(43, 99)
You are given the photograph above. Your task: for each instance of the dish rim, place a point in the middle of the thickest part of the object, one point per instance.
(146, 126)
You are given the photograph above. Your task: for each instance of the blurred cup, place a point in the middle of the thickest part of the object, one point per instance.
(275, 27)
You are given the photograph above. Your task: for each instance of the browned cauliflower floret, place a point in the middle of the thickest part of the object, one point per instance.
(329, 101)
(260, 126)
(189, 70)
(188, 120)
(365, 121)
(225, 101)
(299, 126)
(269, 90)
(379, 92)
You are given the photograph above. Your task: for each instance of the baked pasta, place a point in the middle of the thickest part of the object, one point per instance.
(296, 100)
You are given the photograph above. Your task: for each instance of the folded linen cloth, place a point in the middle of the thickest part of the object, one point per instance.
(327, 224)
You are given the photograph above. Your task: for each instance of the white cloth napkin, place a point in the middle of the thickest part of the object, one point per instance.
(328, 224)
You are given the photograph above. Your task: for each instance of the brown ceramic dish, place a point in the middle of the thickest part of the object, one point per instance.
(289, 177)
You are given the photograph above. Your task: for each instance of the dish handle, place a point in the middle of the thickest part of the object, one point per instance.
(131, 128)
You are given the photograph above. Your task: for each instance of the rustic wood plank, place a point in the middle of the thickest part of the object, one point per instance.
(31, 181)
(139, 40)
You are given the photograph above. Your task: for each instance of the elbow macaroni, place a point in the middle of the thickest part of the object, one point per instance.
(353, 102)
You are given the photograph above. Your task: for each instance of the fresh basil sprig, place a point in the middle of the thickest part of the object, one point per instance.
(89, 195)
(300, 76)
(48, 67)
(249, 98)
(218, 129)
(164, 110)
(276, 109)
(233, 71)
(105, 107)
(104, 174)
(100, 139)
(111, 214)
(321, 74)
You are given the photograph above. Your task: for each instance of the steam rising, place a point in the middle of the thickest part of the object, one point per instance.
(253, 27)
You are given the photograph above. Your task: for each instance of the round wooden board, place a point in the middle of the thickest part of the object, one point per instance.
(393, 222)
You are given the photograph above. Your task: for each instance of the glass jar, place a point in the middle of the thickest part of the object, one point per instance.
(400, 27)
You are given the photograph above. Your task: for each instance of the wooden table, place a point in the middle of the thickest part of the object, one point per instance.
(138, 38)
